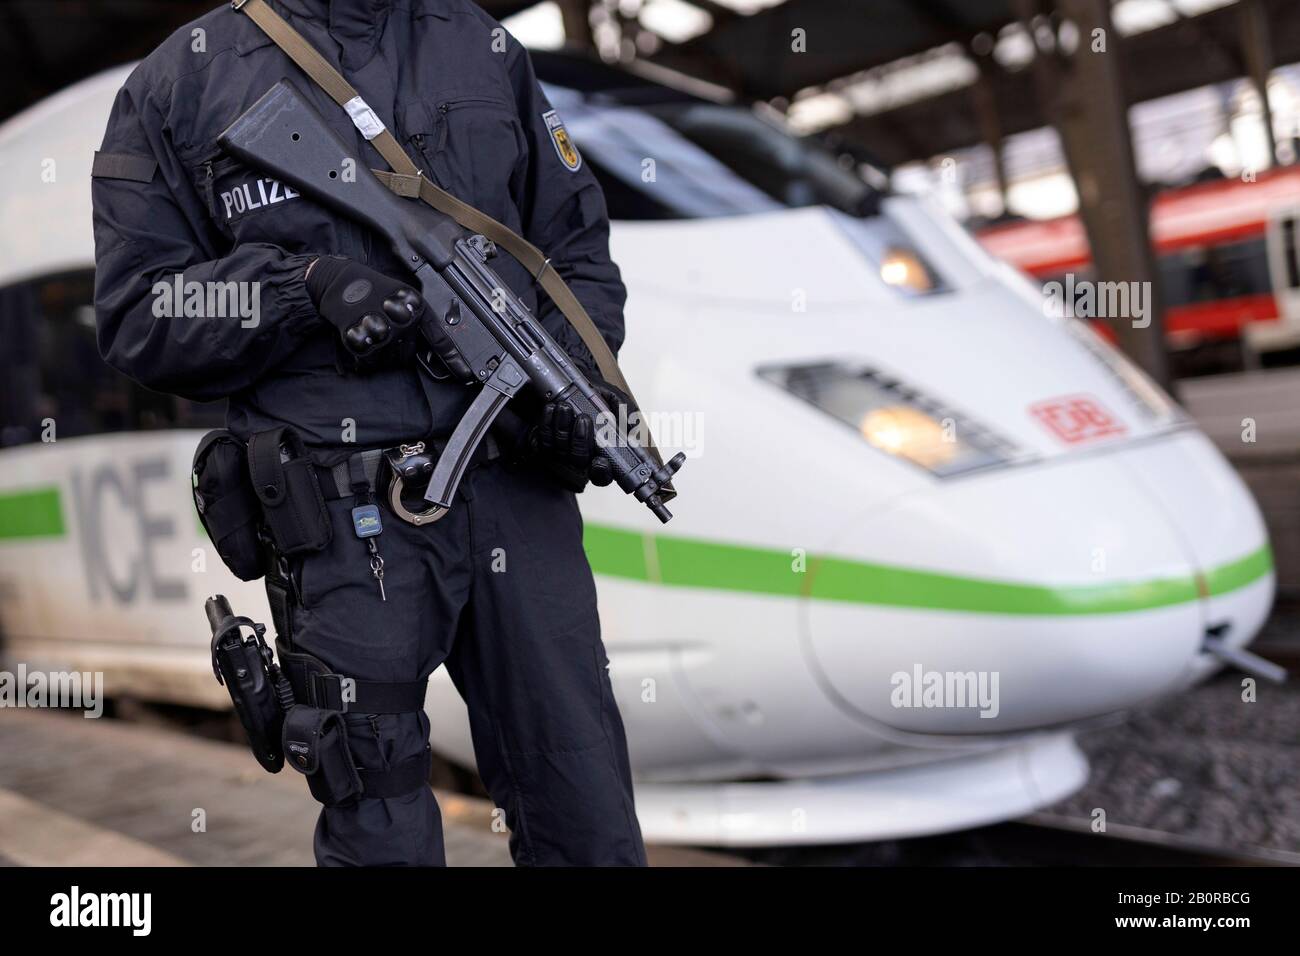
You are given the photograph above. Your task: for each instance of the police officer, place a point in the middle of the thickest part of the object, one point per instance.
(498, 590)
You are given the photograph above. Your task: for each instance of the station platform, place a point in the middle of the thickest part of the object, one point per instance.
(103, 792)
(1254, 419)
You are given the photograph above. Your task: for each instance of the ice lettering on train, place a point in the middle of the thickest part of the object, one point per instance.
(108, 498)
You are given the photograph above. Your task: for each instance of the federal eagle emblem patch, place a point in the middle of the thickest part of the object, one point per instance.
(563, 142)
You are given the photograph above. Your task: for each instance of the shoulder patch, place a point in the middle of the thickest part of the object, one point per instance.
(563, 142)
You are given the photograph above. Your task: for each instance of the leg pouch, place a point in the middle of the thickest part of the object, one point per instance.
(316, 744)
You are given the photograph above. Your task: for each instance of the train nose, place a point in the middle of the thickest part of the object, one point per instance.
(1041, 595)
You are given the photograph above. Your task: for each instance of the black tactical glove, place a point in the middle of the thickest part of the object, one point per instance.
(567, 444)
(372, 312)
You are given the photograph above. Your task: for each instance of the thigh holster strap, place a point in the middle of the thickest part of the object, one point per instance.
(336, 692)
(316, 685)
(401, 778)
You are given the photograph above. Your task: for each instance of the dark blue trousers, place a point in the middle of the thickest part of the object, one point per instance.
(500, 592)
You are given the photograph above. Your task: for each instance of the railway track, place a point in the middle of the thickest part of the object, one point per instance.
(1039, 840)
(1147, 847)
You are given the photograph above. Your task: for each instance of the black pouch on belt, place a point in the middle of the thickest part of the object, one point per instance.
(285, 482)
(316, 744)
(226, 504)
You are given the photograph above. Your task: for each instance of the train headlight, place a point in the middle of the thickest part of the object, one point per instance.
(908, 433)
(903, 269)
(895, 418)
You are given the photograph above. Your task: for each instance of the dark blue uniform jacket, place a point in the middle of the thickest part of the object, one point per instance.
(460, 96)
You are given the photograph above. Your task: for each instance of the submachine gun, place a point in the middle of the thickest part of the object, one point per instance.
(284, 136)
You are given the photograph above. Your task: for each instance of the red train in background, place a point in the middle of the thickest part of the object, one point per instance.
(1227, 254)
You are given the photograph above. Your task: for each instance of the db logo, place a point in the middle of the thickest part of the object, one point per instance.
(1076, 419)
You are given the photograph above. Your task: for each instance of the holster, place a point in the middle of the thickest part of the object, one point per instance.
(243, 663)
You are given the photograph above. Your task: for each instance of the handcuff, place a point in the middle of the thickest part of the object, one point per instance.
(408, 463)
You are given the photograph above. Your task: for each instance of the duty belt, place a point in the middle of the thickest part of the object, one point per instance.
(408, 464)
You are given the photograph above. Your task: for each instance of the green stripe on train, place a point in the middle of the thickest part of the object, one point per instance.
(684, 562)
(693, 563)
(31, 513)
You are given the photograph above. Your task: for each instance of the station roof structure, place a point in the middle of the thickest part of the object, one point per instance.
(850, 41)
(842, 39)
(48, 44)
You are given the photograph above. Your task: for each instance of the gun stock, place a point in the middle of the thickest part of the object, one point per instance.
(283, 134)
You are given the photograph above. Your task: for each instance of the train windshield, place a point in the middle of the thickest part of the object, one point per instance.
(699, 160)
(54, 385)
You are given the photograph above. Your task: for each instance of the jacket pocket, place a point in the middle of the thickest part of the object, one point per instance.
(472, 145)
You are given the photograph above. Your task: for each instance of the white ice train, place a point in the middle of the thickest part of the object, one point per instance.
(903, 475)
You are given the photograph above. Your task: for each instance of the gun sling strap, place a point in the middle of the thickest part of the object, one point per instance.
(407, 181)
